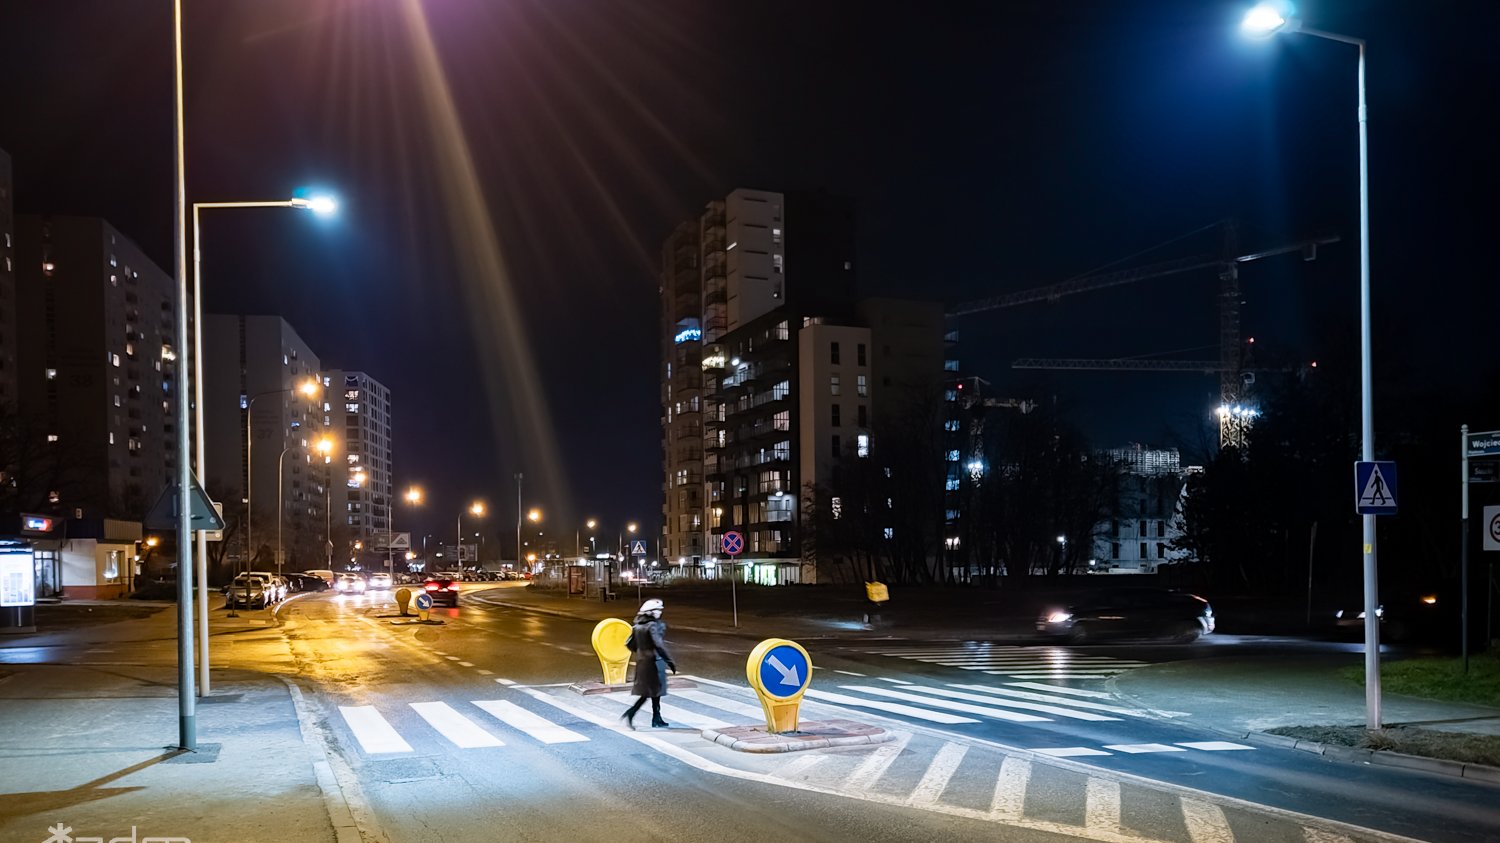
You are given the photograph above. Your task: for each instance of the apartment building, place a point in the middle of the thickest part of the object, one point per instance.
(358, 410)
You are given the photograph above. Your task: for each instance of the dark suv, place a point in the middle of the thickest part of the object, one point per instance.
(442, 590)
(1129, 612)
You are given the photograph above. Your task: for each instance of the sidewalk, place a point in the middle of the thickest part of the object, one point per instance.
(91, 715)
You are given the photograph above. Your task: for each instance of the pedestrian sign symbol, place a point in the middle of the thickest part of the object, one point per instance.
(1375, 488)
(733, 544)
(637, 547)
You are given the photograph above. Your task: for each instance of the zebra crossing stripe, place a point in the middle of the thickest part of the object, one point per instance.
(1010, 789)
(1214, 746)
(939, 772)
(1317, 835)
(672, 713)
(1054, 675)
(1059, 689)
(1027, 695)
(517, 717)
(874, 766)
(732, 706)
(1101, 805)
(1028, 706)
(1069, 751)
(797, 766)
(454, 726)
(894, 708)
(987, 711)
(1205, 822)
(1141, 748)
(372, 731)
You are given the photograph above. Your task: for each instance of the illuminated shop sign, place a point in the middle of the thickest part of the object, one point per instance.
(688, 335)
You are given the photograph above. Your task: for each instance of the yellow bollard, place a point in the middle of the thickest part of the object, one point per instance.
(609, 645)
(780, 671)
(403, 599)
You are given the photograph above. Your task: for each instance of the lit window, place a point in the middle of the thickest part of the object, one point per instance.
(129, 349)
(114, 359)
(351, 408)
(731, 246)
(952, 484)
(836, 507)
(890, 532)
(778, 392)
(285, 361)
(776, 262)
(51, 374)
(951, 425)
(862, 447)
(244, 402)
(950, 395)
(114, 280)
(117, 400)
(953, 455)
(833, 385)
(783, 420)
(775, 235)
(48, 267)
(950, 365)
(52, 437)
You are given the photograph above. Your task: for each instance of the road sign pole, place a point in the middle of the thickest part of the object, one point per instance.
(1463, 542)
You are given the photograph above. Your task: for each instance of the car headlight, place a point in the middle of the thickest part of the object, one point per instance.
(1059, 617)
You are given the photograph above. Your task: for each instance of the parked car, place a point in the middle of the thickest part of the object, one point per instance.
(323, 574)
(275, 585)
(380, 582)
(248, 590)
(1129, 612)
(305, 583)
(350, 584)
(442, 589)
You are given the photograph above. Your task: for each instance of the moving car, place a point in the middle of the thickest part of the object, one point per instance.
(325, 575)
(248, 590)
(1428, 617)
(349, 584)
(1129, 612)
(442, 589)
(380, 582)
(305, 583)
(275, 585)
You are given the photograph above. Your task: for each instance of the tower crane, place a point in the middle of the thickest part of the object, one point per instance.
(1234, 416)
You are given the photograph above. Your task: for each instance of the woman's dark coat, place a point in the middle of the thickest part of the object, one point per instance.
(651, 657)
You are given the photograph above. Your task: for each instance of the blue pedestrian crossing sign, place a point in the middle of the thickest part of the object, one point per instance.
(637, 547)
(1375, 487)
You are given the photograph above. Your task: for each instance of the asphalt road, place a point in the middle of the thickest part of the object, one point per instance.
(465, 729)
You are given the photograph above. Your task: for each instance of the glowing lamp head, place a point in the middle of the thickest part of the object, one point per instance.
(534, 515)
(308, 388)
(1264, 20)
(592, 524)
(414, 495)
(476, 508)
(317, 204)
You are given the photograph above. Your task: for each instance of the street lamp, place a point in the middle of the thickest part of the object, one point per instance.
(578, 540)
(1265, 20)
(325, 447)
(476, 509)
(413, 497)
(308, 388)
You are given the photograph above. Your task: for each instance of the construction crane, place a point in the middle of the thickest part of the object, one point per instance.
(1234, 412)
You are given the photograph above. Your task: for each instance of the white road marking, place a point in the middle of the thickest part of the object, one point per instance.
(1026, 695)
(371, 730)
(893, 681)
(987, 711)
(1214, 746)
(1058, 689)
(505, 681)
(1317, 835)
(466, 664)
(1141, 748)
(713, 700)
(454, 726)
(1054, 675)
(1101, 805)
(1205, 822)
(519, 718)
(894, 708)
(670, 712)
(1029, 706)
(849, 673)
(451, 658)
(798, 766)
(871, 769)
(944, 765)
(1069, 751)
(483, 672)
(1010, 789)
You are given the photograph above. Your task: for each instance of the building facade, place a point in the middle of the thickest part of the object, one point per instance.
(358, 411)
(95, 327)
(1138, 536)
(255, 371)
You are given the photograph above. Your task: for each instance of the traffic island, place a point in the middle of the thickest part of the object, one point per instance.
(811, 734)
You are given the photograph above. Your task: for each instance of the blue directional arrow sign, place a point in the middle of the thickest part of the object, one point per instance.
(784, 671)
(1375, 487)
(424, 601)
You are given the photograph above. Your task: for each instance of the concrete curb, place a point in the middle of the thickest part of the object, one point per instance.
(1352, 754)
(337, 785)
(757, 740)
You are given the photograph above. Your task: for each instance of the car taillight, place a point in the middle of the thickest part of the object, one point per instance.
(432, 586)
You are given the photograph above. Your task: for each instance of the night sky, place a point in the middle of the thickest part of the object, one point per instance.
(989, 147)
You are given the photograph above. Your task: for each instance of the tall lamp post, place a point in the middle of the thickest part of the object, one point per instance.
(519, 554)
(413, 497)
(323, 446)
(476, 509)
(308, 388)
(1265, 20)
(534, 515)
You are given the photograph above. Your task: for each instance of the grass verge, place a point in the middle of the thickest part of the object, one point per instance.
(1407, 740)
(1438, 678)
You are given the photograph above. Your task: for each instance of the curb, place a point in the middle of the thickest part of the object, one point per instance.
(764, 746)
(336, 795)
(1335, 752)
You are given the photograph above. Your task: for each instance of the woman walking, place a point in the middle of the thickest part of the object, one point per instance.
(652, 661)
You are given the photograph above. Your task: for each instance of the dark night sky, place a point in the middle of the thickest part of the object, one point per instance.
(989, 147)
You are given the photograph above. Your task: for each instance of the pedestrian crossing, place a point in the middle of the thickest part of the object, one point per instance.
(496, 723)
(1015, 662)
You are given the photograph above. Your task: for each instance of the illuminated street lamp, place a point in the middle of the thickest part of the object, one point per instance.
(413, 497)
(325, 447)
(1264, 21)
(477, 510)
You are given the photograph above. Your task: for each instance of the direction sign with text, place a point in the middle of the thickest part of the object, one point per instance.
(1484, 444)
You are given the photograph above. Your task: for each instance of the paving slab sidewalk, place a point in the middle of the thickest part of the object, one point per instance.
(89, 742)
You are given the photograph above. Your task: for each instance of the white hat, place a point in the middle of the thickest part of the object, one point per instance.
(652, 605)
